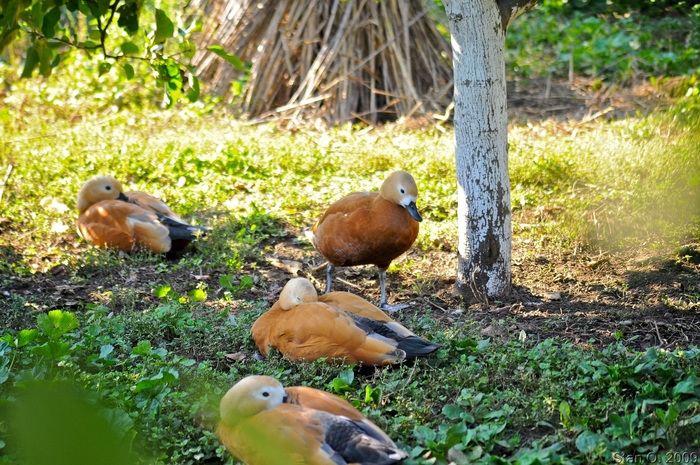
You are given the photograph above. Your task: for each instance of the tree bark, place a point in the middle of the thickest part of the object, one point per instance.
(478, 29)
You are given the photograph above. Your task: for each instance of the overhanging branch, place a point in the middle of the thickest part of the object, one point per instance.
(511, 9)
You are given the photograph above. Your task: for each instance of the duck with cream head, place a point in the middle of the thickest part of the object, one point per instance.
(260, 426)
(108, 217)
(370, 228)
(303, 328)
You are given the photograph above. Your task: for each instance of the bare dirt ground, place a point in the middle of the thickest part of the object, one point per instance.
(591, 300)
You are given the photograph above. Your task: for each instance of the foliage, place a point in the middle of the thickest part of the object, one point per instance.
(49, 31)
(622, 49)
(149, 387)
(621, 7)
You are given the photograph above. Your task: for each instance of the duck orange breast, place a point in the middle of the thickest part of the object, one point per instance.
(370, 228)
(363, 229)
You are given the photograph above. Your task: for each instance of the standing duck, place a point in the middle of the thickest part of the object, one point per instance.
(303, 328)
(110, 218)
(370, 228)
(260, 427)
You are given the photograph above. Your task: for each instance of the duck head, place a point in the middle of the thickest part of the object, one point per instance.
(97, 189)
(400, 188)
(250, 396)
(297, 291)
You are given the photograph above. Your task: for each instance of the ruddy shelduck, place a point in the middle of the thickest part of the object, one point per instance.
(129, 221)
(260, 426)
(337, 327)
(370, 228)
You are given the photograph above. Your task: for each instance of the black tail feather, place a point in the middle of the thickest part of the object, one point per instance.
(415, 346)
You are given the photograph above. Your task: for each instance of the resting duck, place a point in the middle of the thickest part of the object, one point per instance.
(370, 228)
(110, 218)
(259, 427)
(303, 328)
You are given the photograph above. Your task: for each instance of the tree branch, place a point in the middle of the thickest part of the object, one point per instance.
(511, 9)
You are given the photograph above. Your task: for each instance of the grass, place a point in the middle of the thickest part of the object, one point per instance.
(146, 348)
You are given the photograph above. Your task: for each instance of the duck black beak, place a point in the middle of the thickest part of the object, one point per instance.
(123, 197)
(413, 211)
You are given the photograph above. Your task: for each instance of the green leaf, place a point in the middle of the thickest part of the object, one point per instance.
(45, 60)
(103, 6)
(162, 291)
(38, 12)
(94, 9)
(173, 72)
(346, 375)
(48, 27)
(129, 48)
(56, 323)
(689, 421)
(52, 349)
(587, 442)
(246, 282)
(424, 434)
(227, 281)
(165, 376)
(30, 62)
(142, 348)
(104, 67)
(5, 346)
(128, 70)
(189, 48)
(198, 295)
(233, 59)
(373, 395)
(118, 419)
(482, 345)
(26, 336)
(72, 5)
(106, 351)
(193, 94)
(129, 17)
(687, 386)
(340, 386)
(453, 412)
(83, 7)
(164, 27)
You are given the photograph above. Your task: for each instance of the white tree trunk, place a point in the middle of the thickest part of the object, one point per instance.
(478, 29)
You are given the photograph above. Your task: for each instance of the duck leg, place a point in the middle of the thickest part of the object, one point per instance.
(382, 304)
(329, 270)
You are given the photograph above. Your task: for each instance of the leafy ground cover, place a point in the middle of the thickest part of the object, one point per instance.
(594, 359)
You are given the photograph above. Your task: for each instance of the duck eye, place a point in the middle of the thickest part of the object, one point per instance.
(403, 191)
(266, 394)
(109, 188)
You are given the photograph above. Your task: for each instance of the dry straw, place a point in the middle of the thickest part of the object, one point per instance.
(337, 60)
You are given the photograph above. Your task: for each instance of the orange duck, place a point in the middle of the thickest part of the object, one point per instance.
(370, 228)
(303, 328)
(110, 218)
(260, 426)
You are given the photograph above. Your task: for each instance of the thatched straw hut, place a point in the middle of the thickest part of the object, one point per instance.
(337, 60)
